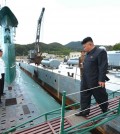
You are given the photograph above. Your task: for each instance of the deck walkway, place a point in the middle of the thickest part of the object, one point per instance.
(21, 104)
(53, 126)
(96, 111)
(49, 127)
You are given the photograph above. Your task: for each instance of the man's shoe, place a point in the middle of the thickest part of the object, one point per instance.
(106, 110)
(82, 114)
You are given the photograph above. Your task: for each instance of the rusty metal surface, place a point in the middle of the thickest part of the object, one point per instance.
(94, 111)
(111, 127)
(11, 101)
(26, 109)
(50, 127)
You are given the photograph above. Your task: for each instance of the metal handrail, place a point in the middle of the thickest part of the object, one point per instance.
(48, 113)
(84, 130)
(62, 113)
(113, 93)
(45, 115)
(42, 115)
(90, 120)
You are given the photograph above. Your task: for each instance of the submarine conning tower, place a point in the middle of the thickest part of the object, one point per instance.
(12, 20)
(8, 23)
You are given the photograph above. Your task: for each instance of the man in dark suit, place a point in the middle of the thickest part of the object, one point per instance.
(94, 75)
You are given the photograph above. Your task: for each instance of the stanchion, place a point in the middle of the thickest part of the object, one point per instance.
(119, 108)
(63, 112)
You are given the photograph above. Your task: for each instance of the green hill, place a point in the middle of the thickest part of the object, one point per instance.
(76, 46)
(56, 48)
(52, 48)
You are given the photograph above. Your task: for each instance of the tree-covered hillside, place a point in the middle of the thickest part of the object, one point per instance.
(76, 46)
(57, 48)
(116, 46)
(52, 48)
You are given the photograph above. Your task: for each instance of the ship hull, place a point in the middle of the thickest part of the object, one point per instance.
(54, 82)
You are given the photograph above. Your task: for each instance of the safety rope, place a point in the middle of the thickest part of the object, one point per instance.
(88, 108)
(90, 89)
(83, 91)
(85, 110)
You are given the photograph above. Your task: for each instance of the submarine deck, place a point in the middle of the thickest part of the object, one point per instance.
(24, 101)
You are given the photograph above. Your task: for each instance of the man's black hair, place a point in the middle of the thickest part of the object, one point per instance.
(87, 39)
(0, 50)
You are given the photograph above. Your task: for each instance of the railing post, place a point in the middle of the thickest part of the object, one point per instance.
(119, 107)
(45, 117)
(63, 112)
(113, 94)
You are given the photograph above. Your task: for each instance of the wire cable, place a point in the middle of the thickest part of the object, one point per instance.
(89, 108)
(83, 91)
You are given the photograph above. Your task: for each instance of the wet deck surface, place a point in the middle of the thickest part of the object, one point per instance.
(15, 113)
(21, 103)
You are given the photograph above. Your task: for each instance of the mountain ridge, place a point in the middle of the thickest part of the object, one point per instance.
(53, 48)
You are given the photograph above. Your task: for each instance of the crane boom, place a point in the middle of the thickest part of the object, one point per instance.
(35, 56)
(38, 31)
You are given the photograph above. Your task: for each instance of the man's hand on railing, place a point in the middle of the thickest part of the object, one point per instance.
(102, 84)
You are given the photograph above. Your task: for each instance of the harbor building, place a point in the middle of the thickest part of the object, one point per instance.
(75, 54)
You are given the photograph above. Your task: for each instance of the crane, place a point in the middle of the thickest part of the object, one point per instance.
(38, 31)
(35, 55)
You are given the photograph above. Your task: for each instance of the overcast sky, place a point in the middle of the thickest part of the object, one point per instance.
(67, 20)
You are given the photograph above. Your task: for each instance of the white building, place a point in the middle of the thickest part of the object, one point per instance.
(75, 54)
(44, 54)
(51, 56)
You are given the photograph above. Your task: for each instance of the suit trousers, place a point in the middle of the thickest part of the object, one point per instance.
(99, 94)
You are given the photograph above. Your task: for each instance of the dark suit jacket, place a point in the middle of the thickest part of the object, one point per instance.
(95, 67)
